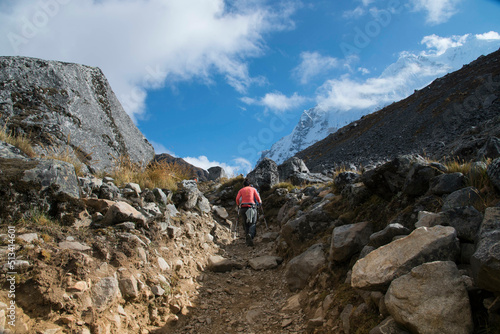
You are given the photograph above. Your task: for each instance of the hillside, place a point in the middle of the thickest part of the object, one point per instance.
(411, 71)
(441, 120)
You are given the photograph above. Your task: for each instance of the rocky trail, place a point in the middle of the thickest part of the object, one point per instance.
(244, 299)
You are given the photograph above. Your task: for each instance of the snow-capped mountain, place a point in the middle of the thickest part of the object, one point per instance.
(345, 100)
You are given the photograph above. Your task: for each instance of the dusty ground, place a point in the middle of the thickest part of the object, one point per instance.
(242, 301)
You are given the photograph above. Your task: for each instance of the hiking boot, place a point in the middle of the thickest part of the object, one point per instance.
(249, 240)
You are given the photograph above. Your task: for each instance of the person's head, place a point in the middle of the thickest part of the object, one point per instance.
(246, 183)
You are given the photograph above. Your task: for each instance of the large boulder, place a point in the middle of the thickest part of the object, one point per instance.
(216, 173)
(265, 175)
(486, 260)
(418, 178)
(348, 240)
(380, 267)
(465, 220)
(291, 167)
(464, 197)
(69, 108)
(447, 183)
(389, 179)
(300, 268)
(432, 298)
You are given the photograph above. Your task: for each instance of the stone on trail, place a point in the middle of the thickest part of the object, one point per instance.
(122, 212)
(265, 262)
(218, 264)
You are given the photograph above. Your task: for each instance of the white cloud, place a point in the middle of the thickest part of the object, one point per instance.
(238, 165)
(346, 94)
(438, 45)
(438, 11)
(492, 35)
(277, 102)
(412, 70)
(313, 64)
(144, 44)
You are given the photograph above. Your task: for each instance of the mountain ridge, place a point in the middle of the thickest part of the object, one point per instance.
(443, 120)
(410, 72)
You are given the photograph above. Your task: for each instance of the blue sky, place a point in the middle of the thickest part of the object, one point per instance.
(215, 81)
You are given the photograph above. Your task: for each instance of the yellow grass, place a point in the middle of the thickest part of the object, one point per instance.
(156, 175)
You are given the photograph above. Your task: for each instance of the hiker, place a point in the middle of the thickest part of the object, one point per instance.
(247, 199)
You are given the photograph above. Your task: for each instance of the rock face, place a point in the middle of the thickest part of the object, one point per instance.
(380, 267)
(431, 299)
(26, 184)
(68, 107)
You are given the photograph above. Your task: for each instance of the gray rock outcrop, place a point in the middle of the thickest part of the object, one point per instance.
(265, 175)
(216, 173)
(35, 184)
(380, 267)
(290, 167)
(70, 108)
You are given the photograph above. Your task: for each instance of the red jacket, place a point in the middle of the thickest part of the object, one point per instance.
(247, 195)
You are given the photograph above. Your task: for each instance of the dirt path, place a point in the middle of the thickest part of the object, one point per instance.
(242, 301)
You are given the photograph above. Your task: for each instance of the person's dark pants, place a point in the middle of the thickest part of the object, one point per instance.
(250, 227)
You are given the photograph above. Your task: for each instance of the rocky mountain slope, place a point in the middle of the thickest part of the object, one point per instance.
(407, 247)
(452, 117)
(70, 108)
(410, 71)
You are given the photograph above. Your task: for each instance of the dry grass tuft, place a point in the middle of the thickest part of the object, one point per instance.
(22, 142)
(156, 175)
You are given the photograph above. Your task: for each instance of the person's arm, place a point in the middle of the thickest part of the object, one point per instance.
(238, 196)
(256, 195)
